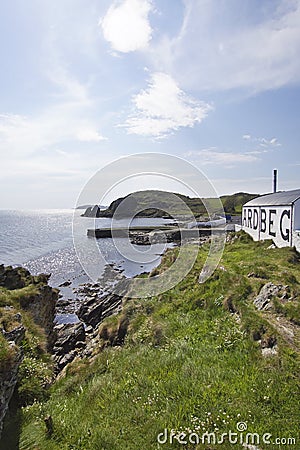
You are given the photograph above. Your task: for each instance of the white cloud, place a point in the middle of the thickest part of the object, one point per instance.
(229, 159)
(70, 88)
(263, 142)
(163, 107)
(21, 136)
(87, 134)
(269, 142)
(221, 46)
(66, 120)
(126, 26)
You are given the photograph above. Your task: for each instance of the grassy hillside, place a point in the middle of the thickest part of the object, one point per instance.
(233, 204)
(192, 361)
(156, 203)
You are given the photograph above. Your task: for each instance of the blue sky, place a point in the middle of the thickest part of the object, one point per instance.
(84, 82)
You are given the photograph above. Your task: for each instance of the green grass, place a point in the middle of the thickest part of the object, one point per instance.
(35, 372)
(188, 363)
(233, 204)
(17, 296)
(7, 355)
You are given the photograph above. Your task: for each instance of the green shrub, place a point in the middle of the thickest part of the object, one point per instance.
(34, 380)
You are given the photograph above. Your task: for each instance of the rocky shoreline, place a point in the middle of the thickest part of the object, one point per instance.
(41, 302)
(94, 302)
(91, 304)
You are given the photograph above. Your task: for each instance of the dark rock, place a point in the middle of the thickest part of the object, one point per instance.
(18, 277)
(65, 283)
(80, 344)
(140, 238)
(253, 275)
(41, 305)
(42, 308)
(90, 313)
(13, 278)
(16, 335)
(268, 342)
(229, 305)
(89, 329)
(63, 360)
(92, 211)
(49, 425)
(94, 310)
(68, 335)
(63, 302)
(42, 278)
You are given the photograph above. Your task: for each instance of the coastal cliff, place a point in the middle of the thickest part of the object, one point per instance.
(11, 358)
(27, 312)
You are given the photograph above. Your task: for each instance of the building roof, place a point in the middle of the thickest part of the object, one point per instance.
(277, 199)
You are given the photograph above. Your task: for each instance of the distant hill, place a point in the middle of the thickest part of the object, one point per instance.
(155, 203)
(233, 204)
(90, 206)
(84, 206)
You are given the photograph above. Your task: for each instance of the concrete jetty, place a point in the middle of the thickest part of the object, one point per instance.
(172, 232)
(123, 231)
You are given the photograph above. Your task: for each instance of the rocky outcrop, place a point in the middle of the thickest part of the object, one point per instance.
(96, 304)
(92, 211)
(79, 339)
(264, 300)
(175, 235)
(16, 335)
(42, 308)
(95, 309)
(70, 340)
(65, 283)
(39, 301)
(14, 278)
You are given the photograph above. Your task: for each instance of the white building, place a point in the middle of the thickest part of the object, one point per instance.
(274, 216)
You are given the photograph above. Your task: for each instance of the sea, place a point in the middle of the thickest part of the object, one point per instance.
(56, 242)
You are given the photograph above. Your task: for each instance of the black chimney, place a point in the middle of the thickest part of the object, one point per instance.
(275, 181)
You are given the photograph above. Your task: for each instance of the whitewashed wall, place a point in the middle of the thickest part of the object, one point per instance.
(251, 221)
(296, 240)
(269, 222)
(297, 215)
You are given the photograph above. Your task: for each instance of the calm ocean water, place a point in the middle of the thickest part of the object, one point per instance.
(42, 241)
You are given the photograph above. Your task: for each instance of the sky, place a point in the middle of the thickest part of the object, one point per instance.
(85, 82)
